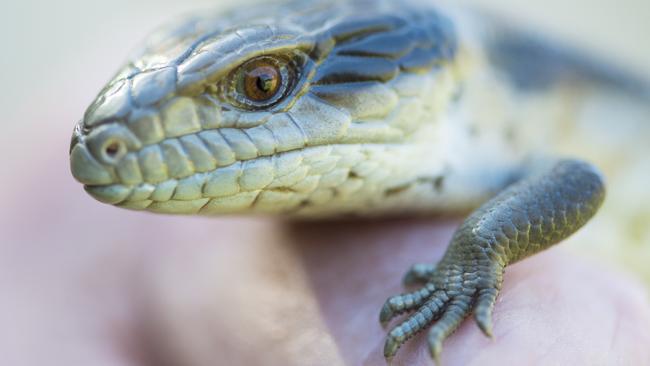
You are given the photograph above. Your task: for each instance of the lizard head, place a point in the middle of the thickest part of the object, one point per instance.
(278, 108)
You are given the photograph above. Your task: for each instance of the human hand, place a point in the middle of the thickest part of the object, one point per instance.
(91, 284)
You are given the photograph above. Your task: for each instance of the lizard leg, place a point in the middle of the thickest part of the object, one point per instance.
(527, 217)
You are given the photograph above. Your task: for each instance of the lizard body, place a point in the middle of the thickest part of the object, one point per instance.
(364, 108)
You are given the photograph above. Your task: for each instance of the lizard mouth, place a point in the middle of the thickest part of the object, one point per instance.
(278, 183)
(314, 180)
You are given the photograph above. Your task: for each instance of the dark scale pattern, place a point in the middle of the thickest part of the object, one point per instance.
(377, 47)
(529, 216)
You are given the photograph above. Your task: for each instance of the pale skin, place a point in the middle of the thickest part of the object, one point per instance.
(98, 285)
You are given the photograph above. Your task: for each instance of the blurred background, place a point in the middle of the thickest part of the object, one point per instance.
(69, 266)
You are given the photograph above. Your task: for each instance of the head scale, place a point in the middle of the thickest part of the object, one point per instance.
(272, 109)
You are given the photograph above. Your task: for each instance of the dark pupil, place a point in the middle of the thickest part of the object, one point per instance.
(265, 83)
(261, 82)
(112, 149)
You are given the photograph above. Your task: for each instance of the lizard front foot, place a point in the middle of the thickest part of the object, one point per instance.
(527, 217)
(451, 291)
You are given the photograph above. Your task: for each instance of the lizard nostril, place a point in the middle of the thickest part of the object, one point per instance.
(113, 151)
(110, 143)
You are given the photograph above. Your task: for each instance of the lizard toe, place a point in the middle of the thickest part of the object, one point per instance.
(425, 314)
(419, 274)
(452, 317)
(483, 310)
(399, 304)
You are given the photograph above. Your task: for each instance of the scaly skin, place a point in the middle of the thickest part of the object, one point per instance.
(383, 107)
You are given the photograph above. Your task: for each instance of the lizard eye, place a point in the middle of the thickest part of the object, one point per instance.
(261, 82)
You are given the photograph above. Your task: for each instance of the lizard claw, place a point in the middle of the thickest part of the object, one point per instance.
(483, 310)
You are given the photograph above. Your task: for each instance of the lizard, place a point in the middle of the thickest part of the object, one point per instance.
(361, 108)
